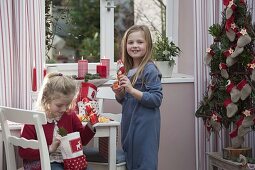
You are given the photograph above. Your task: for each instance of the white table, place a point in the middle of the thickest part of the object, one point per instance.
(109, 130)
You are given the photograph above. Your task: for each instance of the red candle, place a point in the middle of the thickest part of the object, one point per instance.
(44, 72)
(34, 83)
(106, 62)
(82, 68)
(101, 70)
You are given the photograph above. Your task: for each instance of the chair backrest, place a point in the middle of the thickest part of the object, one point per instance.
(24, 117)
(106, 93)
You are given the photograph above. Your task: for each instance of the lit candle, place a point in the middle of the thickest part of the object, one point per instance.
(101, 70)
(106, 62)
(82, 68)
(34, 83)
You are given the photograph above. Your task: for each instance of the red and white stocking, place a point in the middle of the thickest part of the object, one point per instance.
(223, 70)
(237, 52)
(251, 67)
(230, 107)
(231, 33)
(233, 91)
(243, 38)
(208, 57)
(248, 119)
(244, 88)
(215, 122)
(236, 140)
(229, 61)
(230, 9)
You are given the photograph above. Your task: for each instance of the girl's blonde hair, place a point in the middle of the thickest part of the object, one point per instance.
(55, 85)
(127, 59)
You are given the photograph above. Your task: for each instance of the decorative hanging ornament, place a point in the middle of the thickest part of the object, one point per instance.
(251, 67)
(233, 91)
(230, 9)
(243, 38)
(244, 88)
(223, 70)
(231, 33)
(208, 57)
(230, 107)
(237, 52)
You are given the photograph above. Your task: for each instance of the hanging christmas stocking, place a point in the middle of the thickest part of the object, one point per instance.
(233, 91)
(230, 9)
(229, 61)
(248, 119)
(208, 57)
(251, 67)
(230, 107)
(243, 38)
(244, 88)
(238, 50)
(231, 33)
(253, 75)
(215, 122)
(236, 140)
(211, 88)
(223, 70)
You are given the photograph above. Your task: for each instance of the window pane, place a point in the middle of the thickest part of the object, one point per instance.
(128, 12)
(76, 26)
(76, 29)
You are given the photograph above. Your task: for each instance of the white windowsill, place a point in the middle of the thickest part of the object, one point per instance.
(71, 69)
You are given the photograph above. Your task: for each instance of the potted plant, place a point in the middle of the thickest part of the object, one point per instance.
(164, 53)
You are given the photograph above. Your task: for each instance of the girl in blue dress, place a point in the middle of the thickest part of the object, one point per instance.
(140, 94)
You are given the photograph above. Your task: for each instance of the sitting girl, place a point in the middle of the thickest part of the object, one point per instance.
(55, 98)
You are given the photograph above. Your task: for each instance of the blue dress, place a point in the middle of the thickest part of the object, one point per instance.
(140, 124)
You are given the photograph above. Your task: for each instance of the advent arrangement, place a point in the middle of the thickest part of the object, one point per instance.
(229, 101)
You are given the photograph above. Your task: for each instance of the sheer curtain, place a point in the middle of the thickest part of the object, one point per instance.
(22, 30)
(206, 13)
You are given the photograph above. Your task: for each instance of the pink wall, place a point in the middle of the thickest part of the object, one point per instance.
(177, 142)
(186, 37)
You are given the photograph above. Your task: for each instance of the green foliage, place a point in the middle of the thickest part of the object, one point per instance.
(62, 131)
(215, 30)
(90, 76)
(163, 50)
(91, 47)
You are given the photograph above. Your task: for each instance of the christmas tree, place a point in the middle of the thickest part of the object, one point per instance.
(230, 97)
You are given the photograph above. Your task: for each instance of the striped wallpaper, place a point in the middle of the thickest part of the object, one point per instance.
(22, 29)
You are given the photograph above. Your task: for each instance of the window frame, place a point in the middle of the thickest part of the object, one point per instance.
(107, 35)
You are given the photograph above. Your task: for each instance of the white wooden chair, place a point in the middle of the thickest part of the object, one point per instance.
(24, 117)
(105, 93)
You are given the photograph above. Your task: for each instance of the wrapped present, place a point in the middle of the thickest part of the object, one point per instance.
(87, 90)
(72, 152)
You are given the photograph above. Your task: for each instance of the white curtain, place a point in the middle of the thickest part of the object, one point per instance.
(22, 32)
(207, 13)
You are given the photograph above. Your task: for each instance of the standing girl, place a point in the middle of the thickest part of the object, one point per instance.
(140, 94)
(55, 98)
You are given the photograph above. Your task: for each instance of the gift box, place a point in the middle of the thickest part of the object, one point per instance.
(87, 90)
(72, 152)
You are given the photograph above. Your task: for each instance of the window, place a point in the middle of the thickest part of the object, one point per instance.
(93, 28)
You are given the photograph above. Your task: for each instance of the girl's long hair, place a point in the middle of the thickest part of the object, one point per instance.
(127, 59)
